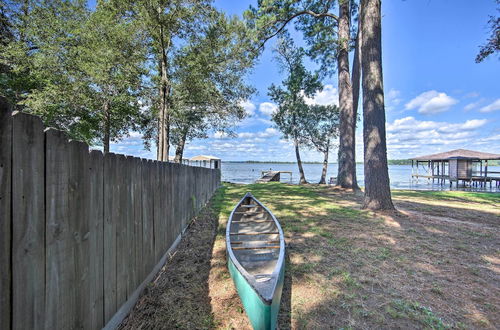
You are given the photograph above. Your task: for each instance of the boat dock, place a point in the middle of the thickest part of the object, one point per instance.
(268, 176)
(460, 165)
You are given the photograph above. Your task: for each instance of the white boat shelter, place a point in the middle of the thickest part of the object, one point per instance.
(206, 161)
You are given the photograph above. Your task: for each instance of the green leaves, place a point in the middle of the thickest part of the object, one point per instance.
(94, 72)
(315, 126)
(208, 78)
(298, 84)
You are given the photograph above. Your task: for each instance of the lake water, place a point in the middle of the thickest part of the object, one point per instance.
(400, 175)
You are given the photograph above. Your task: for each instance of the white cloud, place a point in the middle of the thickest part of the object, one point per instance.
(196, 147)
(472, 105)
(491, 107)
(219, 135)
(431, 102)
(492, 138)
(135, 135)
(268, 132)
(246, 135)
(408, 123)
(413, 125)
(329, 95)
(473, 124)
(412, 136)
(248, 106)
(268, 108)
(393, 97)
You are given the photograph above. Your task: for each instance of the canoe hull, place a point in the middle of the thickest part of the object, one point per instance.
(263, 316)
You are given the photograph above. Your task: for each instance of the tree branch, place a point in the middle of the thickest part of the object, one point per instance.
(289, 19)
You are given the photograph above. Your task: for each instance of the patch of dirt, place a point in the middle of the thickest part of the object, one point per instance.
(178, 296)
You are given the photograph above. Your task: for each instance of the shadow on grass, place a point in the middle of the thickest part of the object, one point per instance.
(179, 295)
(347, 267)
(353, 268)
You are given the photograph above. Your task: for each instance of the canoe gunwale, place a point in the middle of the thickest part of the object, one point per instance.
(258, 287)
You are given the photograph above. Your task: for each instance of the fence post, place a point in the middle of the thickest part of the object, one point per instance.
(60, 303)
(5, 212)
(96, 208)
(28, 222)
(121, 231)
(110, 206)
(79, 204)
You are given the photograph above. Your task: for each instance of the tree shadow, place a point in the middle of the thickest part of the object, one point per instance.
(178, 297)
(346, 267)
(285, 313)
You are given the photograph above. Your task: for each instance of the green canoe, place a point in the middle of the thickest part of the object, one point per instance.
(256, 260)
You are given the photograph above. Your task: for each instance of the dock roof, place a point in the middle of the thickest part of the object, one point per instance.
(204, 157)
(459, 154)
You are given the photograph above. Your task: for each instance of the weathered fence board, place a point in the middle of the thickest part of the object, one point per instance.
(96, 225)
(81, 233)
(147, 218)
(138, 220)
(110, 209)
(130, 227)
(121, 232)
(79, 225)
(60, 301)
(5, 211)
(28, 222)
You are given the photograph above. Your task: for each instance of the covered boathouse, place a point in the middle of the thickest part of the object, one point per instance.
(460, 165)
(206, 161)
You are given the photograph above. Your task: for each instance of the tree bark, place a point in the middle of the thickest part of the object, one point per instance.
(164, 114)
(179, 151)
(377, 188)
(356, 72)
(107, 128)
(346, 177)
(299, 162)
(322, 180)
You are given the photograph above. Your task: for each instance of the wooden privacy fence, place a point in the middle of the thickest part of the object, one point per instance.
(81, 233)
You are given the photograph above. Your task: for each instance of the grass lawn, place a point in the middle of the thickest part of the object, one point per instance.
(433, 264)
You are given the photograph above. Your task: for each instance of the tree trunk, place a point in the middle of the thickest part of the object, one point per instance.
(346, 177)
(107, 128)
(322, 180)
(299, 162)
(356, 72)
(163, 114)
(377, 189)
(179, 151)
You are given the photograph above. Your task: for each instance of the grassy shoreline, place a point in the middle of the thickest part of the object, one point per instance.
(433, 264)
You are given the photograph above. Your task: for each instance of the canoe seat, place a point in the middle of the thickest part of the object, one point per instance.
(249, 205)
(256, 247)
(262, 277)
(257, 241)
(256, 233)
(245, 221)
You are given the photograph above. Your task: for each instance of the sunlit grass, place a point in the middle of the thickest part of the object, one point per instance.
(432, 264)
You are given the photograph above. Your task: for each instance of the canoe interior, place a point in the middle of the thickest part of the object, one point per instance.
(255, 239)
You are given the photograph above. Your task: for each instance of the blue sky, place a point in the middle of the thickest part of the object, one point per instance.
(437, 97)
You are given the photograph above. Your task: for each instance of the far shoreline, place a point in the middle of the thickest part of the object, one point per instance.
(390, 162)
